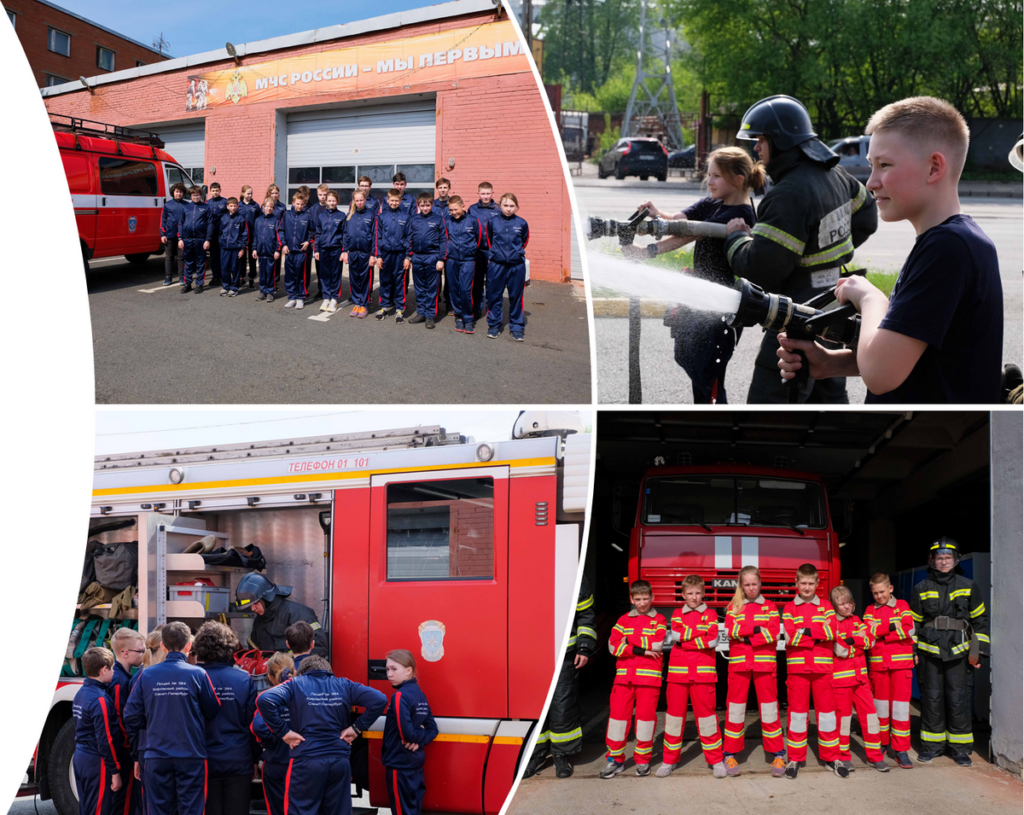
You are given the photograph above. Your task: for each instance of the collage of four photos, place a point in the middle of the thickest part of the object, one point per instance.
(516, 406)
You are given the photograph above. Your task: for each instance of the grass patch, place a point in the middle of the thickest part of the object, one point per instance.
(883, 281)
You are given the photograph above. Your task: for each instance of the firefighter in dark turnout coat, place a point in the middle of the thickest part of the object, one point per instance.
(952, 637)
(274, 614)
(562, 736)
(807, 227)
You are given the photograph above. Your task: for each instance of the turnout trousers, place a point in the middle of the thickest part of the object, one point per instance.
(767, 692)
(562, 732)
(702, 696)
(623, 700)
(92, 776)
(406, 789)
(394, 281)
(318, 786)
(891, 689)
(945, 704)
(800, 689)
(858, 698)
(176, 785)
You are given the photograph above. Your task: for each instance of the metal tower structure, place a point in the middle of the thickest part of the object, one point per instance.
(653, 62)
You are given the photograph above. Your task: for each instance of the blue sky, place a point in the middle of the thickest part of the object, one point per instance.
(194, 26)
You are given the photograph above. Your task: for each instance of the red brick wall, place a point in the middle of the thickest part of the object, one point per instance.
(32, 24)
(496, 128)
(470, 535)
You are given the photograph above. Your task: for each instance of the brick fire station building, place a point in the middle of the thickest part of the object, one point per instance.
(444, 90)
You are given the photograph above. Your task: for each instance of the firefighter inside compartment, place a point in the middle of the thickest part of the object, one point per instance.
(952, 638)
(275, 613)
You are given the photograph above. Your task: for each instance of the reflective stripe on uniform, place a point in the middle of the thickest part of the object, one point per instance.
(736, 245)
(829, 255)
(583, 631)
(780, 237)
(582, 605)
(931, 649)
(960, 593)
(929, 595)
(978, 611)
(929, 736)
(577, 733)
(960, 738)
(858, 201)
(983, 638)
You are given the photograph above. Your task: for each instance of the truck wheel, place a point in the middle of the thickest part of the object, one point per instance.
(600, 172)
(138, 260)
(59, 772)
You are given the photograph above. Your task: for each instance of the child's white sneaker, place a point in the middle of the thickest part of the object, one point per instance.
(332, 306)
(290, 304)
(324, 305)
(300, 304)
(665, 770)
(718, 770)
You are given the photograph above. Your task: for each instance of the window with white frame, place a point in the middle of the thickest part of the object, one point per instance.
(59, 42)
(104, 58)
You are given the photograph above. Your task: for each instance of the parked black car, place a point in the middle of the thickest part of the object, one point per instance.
(635, 156)
(685, 159)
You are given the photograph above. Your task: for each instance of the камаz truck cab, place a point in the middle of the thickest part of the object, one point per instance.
(711, 521)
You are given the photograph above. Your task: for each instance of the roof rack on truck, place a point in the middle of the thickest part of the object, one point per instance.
(398, 439)
(102, 130)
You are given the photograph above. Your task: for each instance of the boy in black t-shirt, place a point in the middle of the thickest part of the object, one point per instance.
(939, 338)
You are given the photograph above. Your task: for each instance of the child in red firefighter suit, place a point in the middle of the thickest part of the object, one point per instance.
(891, 666)
(231, 750)
(98, 773)
(276, 753)
(507, 238)
(319, 705)
(850, 681)
(129, 647)
(753, 625)
(636, 642)
(810, 631)
(692, 637)
(173, 701)
(408, 728)
(295, 237)
(359, 252)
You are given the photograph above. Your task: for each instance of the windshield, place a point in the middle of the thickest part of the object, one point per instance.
(719, 500)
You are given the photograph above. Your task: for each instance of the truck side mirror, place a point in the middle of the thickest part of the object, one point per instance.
(205, 191)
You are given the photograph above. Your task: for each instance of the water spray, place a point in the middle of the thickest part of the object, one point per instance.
(657, 228)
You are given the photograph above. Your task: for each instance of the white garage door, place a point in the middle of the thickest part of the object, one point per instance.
(337, 147)
(187, 143)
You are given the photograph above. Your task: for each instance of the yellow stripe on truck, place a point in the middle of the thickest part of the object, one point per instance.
(329, 476)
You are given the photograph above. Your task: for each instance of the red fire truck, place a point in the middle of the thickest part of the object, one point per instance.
(465, 553)
(119, 179)
(711, 521)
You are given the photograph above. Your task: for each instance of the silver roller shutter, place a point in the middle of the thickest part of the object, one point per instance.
(187, 143)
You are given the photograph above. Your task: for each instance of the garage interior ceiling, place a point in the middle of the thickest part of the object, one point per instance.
(861, 455)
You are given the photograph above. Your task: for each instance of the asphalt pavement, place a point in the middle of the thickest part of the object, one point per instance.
(664, 382)
(154, 345)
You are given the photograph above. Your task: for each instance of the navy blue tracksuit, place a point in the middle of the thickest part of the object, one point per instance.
(233, 237)
(265, 243)
(95, 760)
(296, 228)
(231, 749)
(329, 226)
(125, 800)
(392, 250)
(250, 212)
(138, 754)
(169, 219)
(408, 719)
(276, 756)
(427, 243)
(218, 206)
(482, 214)
(175, 699)
(408, 203)
(506, 268)
(361, 245)
(465, 235)
(195, 228)
(319, 704)
(314, 208)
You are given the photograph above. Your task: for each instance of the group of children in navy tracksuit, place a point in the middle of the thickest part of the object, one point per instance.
(452, 250)
(189, 738)
(829, 655)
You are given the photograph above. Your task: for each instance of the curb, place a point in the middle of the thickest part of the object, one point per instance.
(619, 307)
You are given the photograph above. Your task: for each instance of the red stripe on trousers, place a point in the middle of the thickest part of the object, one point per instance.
(128, 794)
(287, 784)
(103, 783)
(206, 779)
(394, 786)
